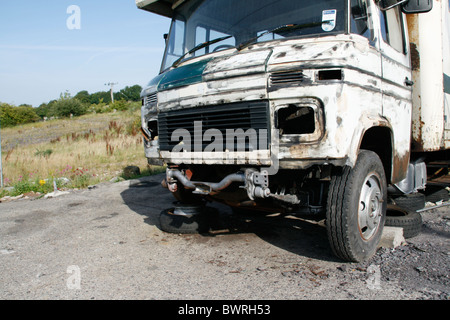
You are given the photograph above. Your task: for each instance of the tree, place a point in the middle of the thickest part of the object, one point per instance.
(129, 93)
(96, 97)
(83, 96)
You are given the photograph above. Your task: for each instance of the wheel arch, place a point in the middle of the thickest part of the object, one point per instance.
(379, 139)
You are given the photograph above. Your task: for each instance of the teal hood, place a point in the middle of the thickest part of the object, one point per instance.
(237, 64)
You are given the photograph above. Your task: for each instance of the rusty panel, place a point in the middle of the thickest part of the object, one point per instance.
(425, 34)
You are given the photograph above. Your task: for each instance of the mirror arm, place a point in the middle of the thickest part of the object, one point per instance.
(394, 5)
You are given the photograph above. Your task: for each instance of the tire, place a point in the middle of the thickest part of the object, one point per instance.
(410, 221)
(435, 194)
(356, 208)
(410, 202)
(172, 223)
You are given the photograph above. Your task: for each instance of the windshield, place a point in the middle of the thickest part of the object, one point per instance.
(200, 27)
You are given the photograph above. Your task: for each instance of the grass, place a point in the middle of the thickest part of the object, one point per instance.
(75, 153)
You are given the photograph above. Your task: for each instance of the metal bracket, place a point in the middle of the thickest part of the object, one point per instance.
(257, 184)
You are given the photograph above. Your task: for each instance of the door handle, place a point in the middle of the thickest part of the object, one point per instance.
(408, 82)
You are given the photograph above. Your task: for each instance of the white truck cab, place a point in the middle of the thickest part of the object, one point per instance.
(326, 107)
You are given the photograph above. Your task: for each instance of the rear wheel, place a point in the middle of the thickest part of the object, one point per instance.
(356, 208)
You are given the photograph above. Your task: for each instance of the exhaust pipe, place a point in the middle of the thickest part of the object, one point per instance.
(199, 186)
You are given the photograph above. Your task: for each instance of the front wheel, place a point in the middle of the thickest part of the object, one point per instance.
(356, 208)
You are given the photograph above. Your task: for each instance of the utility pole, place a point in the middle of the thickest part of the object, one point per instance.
(112, 90)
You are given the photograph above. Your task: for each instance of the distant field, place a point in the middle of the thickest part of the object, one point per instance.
(41, 132)
(83, 150)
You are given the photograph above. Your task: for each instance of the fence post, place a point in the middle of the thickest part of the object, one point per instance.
(1, 166)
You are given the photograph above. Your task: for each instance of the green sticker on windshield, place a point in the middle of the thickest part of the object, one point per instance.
(329, 20)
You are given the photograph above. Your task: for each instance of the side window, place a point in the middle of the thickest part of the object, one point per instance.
(359, 22)
(392, 28)
(175, 48)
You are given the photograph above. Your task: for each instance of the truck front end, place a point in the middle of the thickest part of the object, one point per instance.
(249, 85)
(274, 104)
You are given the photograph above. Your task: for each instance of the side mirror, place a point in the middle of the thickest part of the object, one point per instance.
(417, 6)
(389, 4)
(408, 6)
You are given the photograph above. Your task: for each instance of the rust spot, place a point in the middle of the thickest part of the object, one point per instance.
(400, 168)
(413, 27)
(415, 57)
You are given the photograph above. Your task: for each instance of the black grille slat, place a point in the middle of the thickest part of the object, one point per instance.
(248, 115)
(151, 100)
(287, 77)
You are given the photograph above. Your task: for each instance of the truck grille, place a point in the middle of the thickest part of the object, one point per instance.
(246, 115)
(151, 100)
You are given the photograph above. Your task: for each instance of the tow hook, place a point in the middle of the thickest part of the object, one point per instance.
(257, 184)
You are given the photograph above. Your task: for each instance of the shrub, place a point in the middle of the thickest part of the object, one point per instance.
(11, 116)
(100, 107)
(120, 105)
(67, 106)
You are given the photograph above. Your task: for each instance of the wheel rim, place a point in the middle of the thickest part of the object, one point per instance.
(370, 207)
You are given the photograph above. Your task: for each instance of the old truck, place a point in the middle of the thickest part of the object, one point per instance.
(332, 108)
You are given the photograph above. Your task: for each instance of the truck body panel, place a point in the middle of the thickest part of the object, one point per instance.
(429, 40)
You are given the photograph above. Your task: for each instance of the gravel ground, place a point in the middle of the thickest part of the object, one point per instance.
(105, 243)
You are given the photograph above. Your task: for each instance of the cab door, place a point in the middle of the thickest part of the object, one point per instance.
(396, 85)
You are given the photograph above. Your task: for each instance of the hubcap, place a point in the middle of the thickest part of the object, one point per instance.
(370, 207)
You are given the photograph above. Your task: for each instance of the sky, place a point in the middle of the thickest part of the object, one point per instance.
(48, 47)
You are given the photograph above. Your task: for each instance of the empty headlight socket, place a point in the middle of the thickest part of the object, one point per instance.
(304, 119)
(153, 128)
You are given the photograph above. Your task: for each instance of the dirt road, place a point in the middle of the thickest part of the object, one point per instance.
(105, 243)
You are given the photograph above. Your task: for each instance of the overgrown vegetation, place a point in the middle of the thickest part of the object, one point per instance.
(67, 106)
(88, 144)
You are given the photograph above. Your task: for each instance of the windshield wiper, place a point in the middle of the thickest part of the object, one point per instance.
(283, 28)
(199, 47)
